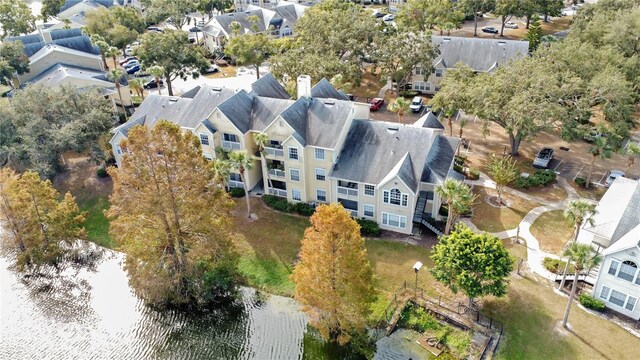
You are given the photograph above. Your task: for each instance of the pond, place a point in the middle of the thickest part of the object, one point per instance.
(93, 313)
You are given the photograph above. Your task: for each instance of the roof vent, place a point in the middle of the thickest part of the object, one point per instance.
(329, 102)
(446, 39)
(392, 129)
(216, 88)
(173, 99)
(501, 42)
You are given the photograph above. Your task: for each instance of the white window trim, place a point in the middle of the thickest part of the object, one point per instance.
(324, 174)
(315, 154)
(325, 195)
(200, 135)
(365, 190)
(289, 153)
(299, 193)
(403, 196)
(373, 210)
(207, 156)
(627, 297)
(291, 171)
(388, 215)
(636, 275)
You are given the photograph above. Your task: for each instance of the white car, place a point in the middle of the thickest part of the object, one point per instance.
(416, 104)
(511, 25)
(388, 17)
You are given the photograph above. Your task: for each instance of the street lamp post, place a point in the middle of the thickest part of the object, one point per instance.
(416, 268)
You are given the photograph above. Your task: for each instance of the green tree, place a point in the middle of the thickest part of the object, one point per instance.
(50, 8)
(584, 257)
(549, 8)
(503, 170)
(241, 161)
(137, 86)
(633, 151)
(475, 263)
(459, 199)
(261, 139)
(250, 48)
(400, 106)
(15, 18)
(45, 122)
(172, 51)
(577, 213)
(161, 10)
(398, 55)
(113, 53)
(334, 280)
(117, 25)
(475, 7)
(12, 61)
(599, 148)
(424, 15)
(115, 75)
(208, 6)
(454, 93)
(104, 48)
(157, 72)
(507, 9)
(221, 169)
(331, 38)
(534, 35)
(172, 221)
(39, 224)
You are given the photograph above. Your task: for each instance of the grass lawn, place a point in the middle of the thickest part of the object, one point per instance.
(97, 225)
(552, 231)
(492, 219)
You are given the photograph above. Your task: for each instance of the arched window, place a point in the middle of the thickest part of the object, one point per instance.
(395, 196)
(628, 270)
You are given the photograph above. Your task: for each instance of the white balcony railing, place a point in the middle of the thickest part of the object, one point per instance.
(236, 184)
(277, 173)
(231, 145)
(347, 191)
(274, 152)
(278, 192)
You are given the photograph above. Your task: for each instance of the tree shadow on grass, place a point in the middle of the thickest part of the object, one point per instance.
(589, 344)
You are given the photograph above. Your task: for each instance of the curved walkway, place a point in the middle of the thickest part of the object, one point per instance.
(535, 255)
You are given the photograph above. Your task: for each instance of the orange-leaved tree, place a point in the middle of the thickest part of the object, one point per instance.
(171, 219)
(334, 280)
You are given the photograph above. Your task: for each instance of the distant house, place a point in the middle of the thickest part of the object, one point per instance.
(322, 148)
(67, 57)
(74, 7)
(278, 21)
(615, 233)
(481, 55)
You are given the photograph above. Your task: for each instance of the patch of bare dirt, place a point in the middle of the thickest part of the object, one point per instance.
(81, 180)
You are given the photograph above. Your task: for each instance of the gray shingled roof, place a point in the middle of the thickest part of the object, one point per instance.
(191, 93)
(69, 38)
(630, 217)
(124, 128)
(238, 110)
(157, 107)
(287, 12)
(438, 164)
(479, 54)
(59, 72)
(225, 20)
(268, 86)
(265, 110)
(406, 173)
(296, 116)
(373, 149)
(324, 89)
(430, 120)
(203, 104)
(106, 3)
(326, 119)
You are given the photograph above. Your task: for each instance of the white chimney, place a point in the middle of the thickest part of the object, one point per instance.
(304, 86)
(45, 35)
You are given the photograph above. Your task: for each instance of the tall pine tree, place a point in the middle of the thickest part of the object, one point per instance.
(534, 34)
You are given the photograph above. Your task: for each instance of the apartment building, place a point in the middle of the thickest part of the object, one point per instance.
(322, 148)
(481, 55)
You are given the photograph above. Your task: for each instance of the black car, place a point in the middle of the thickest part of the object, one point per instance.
(379, 14)
(490, 29)
(195, 29)
(152, 84)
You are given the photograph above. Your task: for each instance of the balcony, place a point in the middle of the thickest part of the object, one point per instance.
(347, 191)
(278, 192)
(231, 145)
(236, 184)
(274, 152)
(277, 173)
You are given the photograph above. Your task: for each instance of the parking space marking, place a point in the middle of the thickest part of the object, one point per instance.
(602, 178)
(579, 171)
(561, 160)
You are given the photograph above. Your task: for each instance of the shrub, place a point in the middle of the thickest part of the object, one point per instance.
(545, 177)
(581, 182)
(277, 203)
(458, 168)
(522, 182)
(539, 178)
(303, 209)
(368, 227)
(473, 174)
(102, 173)
(236, 192)
(556, 266)
(591, 302)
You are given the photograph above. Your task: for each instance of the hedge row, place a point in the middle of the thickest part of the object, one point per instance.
(539, 178)
(556, 266)
(281, 204)
(591, 302)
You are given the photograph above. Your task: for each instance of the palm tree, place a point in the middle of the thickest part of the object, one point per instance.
(137, 86)
(112, 52)
(221, 169)
(103, 46)
(600, 148)
(633, 150)
(400, 106)
(463, 122)
(578, 212)
(458, 197)
(261, 140)
(157, 72)
(115, 75)
(241, 161)
(584, 258)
